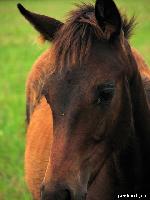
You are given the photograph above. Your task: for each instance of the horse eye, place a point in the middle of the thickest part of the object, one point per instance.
(104, 93)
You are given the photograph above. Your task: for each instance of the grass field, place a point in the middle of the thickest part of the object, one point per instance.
(18, 51)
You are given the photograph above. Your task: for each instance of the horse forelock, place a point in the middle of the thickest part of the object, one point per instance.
(73, 41)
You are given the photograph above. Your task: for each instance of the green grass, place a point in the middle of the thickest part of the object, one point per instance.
(18, 51)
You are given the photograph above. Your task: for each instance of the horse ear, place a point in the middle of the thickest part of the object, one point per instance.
(47, 26)
(108, 16)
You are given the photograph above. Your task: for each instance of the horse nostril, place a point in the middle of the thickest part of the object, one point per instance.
(58, 194)
(63, 195)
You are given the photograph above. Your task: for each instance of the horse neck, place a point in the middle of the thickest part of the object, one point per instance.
(141, 112)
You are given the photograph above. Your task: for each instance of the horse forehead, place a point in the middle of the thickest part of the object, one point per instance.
(91, 73)
(65, 82)
(103, 64)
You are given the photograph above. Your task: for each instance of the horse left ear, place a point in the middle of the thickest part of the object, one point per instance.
(108, 17)
(47, 26)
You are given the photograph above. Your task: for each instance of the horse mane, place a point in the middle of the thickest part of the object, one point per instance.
(74, 40)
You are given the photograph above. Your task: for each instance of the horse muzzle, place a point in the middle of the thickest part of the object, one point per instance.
(61, 193)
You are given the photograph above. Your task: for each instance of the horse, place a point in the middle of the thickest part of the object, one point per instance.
(87, 105)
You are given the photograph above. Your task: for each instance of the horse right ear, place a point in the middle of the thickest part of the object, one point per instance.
(47, 26)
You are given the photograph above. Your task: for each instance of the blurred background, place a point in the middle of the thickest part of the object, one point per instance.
(18, 51)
